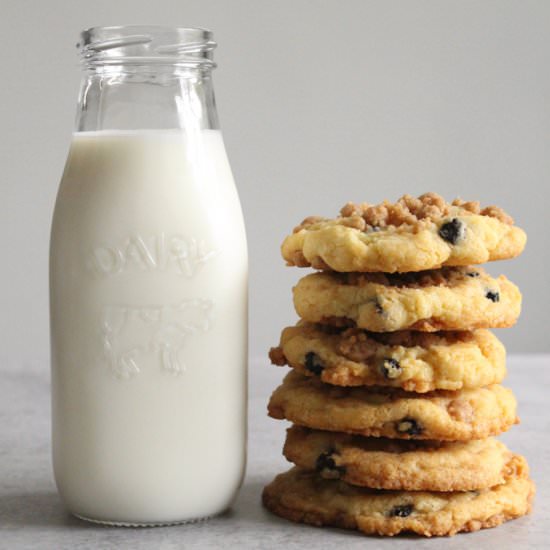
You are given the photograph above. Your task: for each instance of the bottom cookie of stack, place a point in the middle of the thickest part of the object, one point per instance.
(303, 496)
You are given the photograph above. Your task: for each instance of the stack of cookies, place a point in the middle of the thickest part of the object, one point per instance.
(395, 392)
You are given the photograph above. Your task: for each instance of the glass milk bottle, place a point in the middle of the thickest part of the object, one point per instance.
(148, 282)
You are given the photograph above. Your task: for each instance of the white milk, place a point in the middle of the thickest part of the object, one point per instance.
(149, 328)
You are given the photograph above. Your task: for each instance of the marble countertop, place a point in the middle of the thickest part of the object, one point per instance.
(31, 515)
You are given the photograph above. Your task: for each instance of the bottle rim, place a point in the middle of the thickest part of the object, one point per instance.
(190, 47)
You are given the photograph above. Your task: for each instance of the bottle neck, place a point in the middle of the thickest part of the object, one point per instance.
(146, 97)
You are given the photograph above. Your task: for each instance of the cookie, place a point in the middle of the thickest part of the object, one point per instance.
(411, 360)
(413, 234)
(303, 496)
(387, 412)
(394, 464)
(450, 298)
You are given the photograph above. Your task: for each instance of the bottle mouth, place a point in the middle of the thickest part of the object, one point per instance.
(146, 44)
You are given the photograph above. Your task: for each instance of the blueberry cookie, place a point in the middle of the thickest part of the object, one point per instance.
(397, 464)
(451, 298)
(411, 360)
(387, 412)
(302, 496)
(413, 234)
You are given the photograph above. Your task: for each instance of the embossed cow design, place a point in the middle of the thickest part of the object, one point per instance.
(130, 332)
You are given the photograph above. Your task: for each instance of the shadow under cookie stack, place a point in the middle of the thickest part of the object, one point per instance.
(394, 393)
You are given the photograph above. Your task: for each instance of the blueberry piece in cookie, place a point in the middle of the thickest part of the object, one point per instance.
(493, 295)
(391, 368)
(408, 426)
(401, 511)
(378, 307)
(314, 363)
(453, 231)
(327, 466)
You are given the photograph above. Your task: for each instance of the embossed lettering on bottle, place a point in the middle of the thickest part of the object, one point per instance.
(185, 254)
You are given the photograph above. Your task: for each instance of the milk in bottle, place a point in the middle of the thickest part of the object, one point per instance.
(148, 279)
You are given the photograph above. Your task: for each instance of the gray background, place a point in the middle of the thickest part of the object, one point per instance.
(320, 102)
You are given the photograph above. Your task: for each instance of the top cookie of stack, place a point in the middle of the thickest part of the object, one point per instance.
(413, 234)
